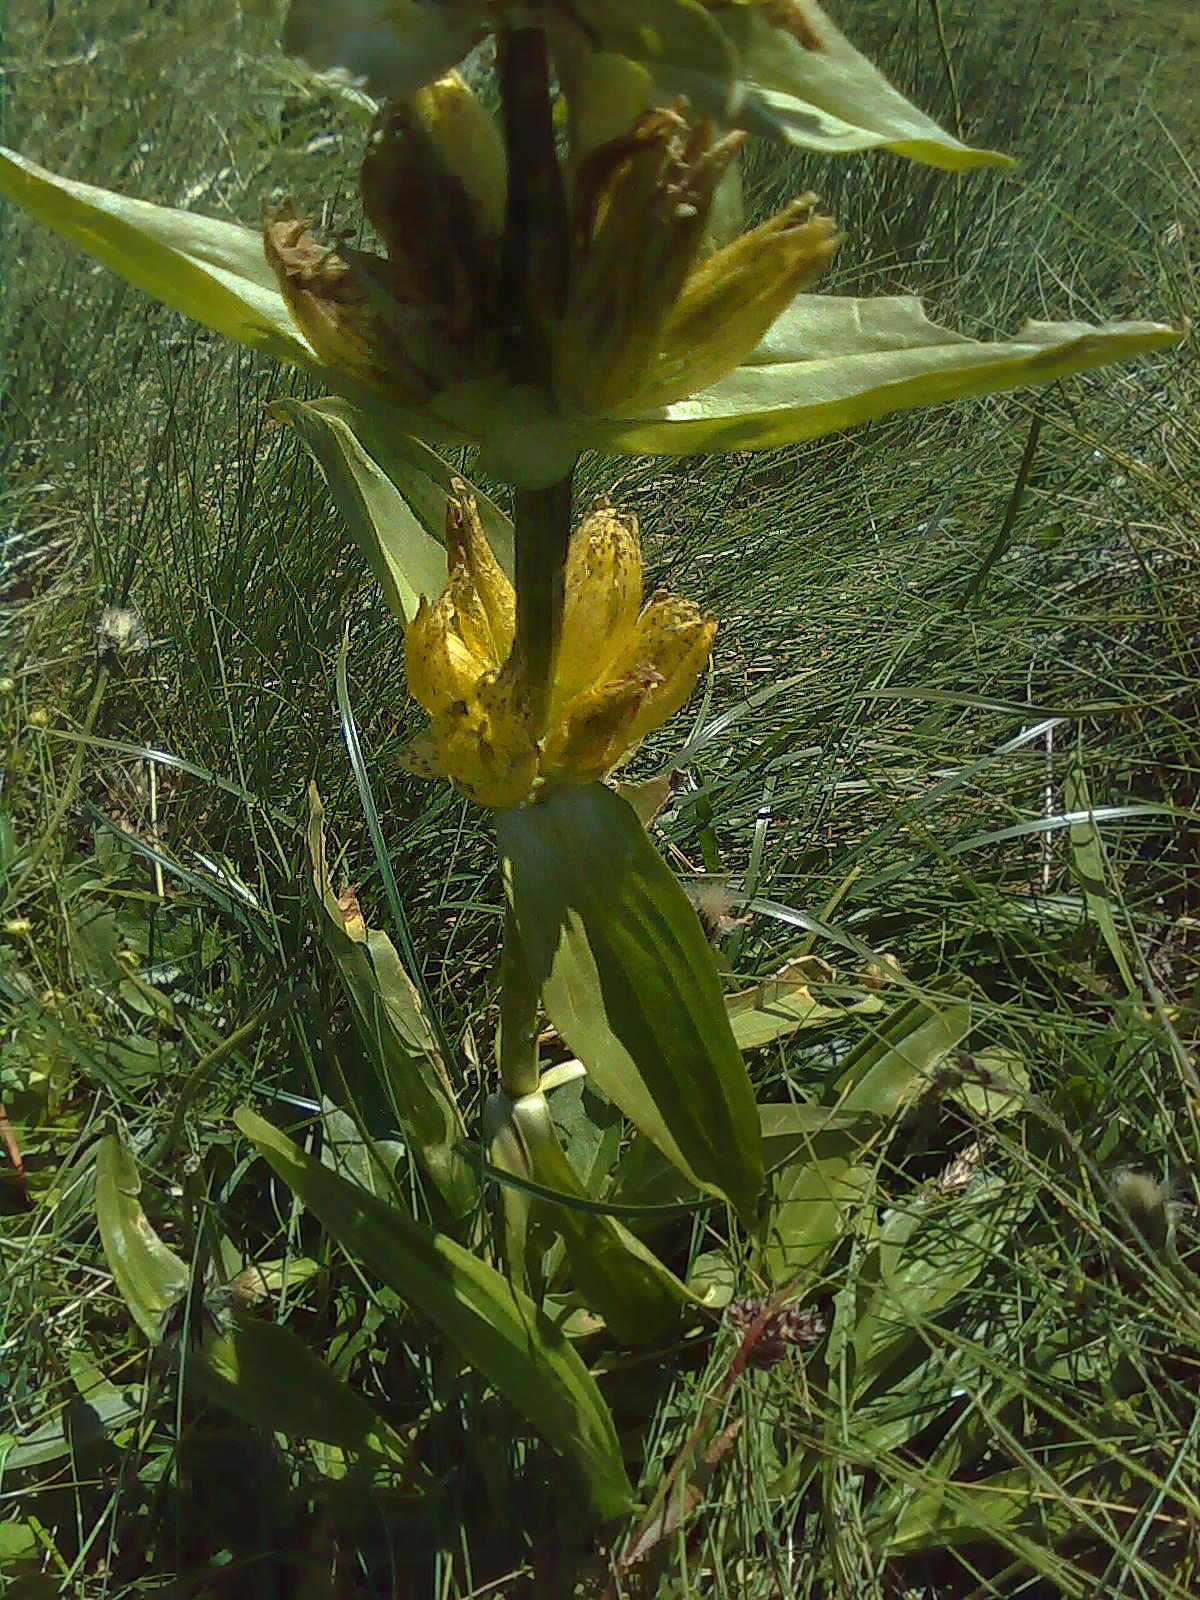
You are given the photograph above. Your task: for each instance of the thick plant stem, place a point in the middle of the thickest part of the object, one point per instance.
(534, 283)
(543, 529)
(535, 258)
(519, 1016)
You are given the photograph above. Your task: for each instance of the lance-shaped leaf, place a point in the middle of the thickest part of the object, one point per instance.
(616, 1275)
(267, 1375)
(211, 270)
(264, 1374)
(498, 1330)
(629, 981)
(832, 362)
(391, 490)
(149, 1277)
(897, 1058)
(395, 1030)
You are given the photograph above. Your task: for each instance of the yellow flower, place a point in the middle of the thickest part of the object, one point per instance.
(622, 669)
(423, 317)
(651, 317)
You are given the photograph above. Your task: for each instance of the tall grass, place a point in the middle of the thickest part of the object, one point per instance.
(919, 681)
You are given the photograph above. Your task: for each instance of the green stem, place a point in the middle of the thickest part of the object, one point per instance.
(519, 1016)
(543, 531)
(534, 270)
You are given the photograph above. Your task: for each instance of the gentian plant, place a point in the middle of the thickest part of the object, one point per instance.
(569, 276)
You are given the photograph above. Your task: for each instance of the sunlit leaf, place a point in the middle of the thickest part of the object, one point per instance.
(149, 1277)
(815, 1201)
(896, 1059)
(927, 1253)
(783, 1003)
(804, 83)
(496, 1329)
(832, 362)
(630, 982)
(211, 270)
(395, 1030)
(391, 491)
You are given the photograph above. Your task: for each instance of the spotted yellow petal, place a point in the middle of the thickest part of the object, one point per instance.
(603, 597)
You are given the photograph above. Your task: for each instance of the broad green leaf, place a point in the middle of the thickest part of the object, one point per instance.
(612, 1270)
(391, 491)
(815, 1201)
(395, 1030)
(630, 982)
(149, 1277)
(211, 270)
(387, 47)
(832, 362)
(267, 1375)
(927, 1254)
(784, 1003)
(1042, 1506)
(498, 1330)
(896, 1059)
(96, 1411)
(803, 82)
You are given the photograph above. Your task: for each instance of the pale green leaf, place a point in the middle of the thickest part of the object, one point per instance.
(927, 1254)
(211, 270)
(630, 982)
(407, 561)
(395, 1031)
(806, 84)
(416, 472)
(831, 362)
(896, 1060)
(149, 1277)
(815, 1202)
(387, 47)
(784, 1003)
(498, 1330)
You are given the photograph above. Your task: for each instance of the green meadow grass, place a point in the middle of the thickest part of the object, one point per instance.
(929, 661)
